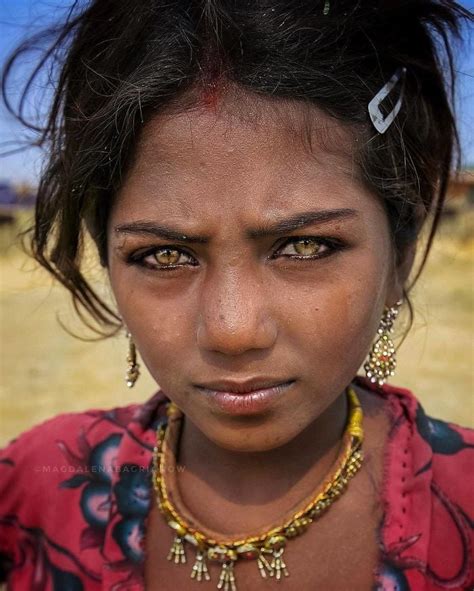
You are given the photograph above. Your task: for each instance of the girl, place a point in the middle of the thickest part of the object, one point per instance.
(255, 176)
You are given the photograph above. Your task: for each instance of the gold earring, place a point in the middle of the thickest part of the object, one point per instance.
(382, 361)
(133, 370)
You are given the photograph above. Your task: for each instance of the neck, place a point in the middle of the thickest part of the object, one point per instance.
(291, 469)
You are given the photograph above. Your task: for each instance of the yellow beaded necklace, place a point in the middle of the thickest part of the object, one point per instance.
(266, 547)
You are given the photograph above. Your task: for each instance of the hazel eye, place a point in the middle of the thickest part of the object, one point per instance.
(308, 247)
(165, 257)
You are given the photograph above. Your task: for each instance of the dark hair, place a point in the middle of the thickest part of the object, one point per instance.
(121, 62)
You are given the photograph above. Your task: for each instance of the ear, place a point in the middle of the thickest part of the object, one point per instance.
(401, 272)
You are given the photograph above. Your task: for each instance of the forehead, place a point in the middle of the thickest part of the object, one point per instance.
(246, 124)
(246, 151)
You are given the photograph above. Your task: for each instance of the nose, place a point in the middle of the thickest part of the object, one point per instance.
(235, 314)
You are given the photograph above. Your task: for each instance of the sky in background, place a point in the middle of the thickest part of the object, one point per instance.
(20, 18)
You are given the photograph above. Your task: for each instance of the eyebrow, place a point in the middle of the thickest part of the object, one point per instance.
(294, 222)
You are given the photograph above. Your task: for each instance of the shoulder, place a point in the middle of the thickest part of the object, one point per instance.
(442, 436)
(63, 483)
(443, 448)
(53, 435)
(61, 452)
(62, 440)
(451, 464)
(55, 455)
(446, 440)
(427, 535)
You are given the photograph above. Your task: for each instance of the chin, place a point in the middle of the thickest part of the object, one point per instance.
(243, 440)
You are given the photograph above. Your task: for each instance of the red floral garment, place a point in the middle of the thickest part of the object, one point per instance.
(76, 491)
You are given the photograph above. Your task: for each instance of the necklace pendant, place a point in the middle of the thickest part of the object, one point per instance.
(200, 568)
(278, 565)
(264, 566)
(227, 577)
(176, 552)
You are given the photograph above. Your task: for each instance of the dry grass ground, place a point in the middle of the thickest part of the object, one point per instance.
(45, 371)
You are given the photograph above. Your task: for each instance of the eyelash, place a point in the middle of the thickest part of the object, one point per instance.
(333, 245)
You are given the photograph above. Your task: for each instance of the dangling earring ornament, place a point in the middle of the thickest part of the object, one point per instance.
(133, 370)
(382, 361)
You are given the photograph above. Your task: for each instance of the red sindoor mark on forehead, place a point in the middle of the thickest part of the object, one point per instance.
(212, 83)
(210, 95)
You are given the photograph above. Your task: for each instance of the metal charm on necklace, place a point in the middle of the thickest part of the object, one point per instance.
(200, 567)
(227, 577)
(276, 545)
(264, 566)
(176, 552)
(278, 565)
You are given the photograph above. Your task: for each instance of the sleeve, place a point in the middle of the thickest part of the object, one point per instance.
(452, 535)
(36, 471)
(14, 458)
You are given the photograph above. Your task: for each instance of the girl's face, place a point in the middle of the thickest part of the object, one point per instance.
(237, 252)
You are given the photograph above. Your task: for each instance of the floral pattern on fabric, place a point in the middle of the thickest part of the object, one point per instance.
(76, 490)
(95, 466)
(427, 533)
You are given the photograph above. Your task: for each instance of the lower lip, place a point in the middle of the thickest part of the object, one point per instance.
(247, 403)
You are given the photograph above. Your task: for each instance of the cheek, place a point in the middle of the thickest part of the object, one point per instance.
(336, 321)
(161, 329)
(356, 311)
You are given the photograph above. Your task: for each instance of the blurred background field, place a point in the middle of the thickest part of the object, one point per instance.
(45, 371)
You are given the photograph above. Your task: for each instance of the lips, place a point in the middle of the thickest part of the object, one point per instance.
(244, 386)
(246, 402)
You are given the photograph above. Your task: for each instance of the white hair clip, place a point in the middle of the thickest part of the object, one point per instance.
(380, 122)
